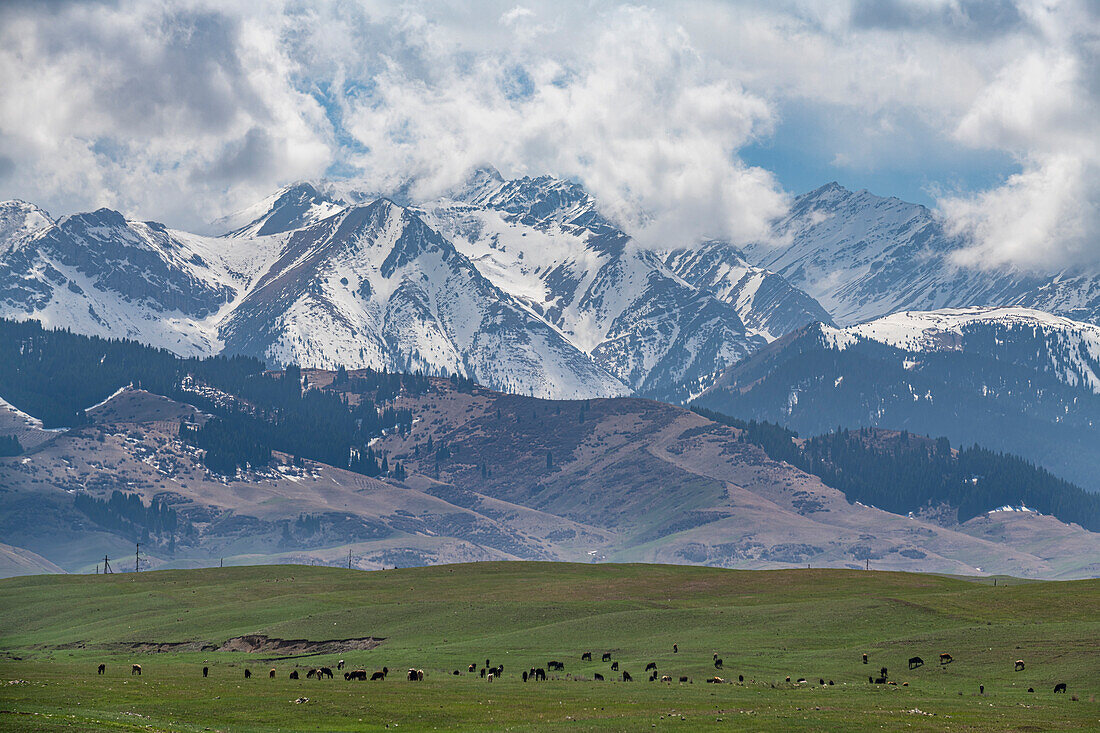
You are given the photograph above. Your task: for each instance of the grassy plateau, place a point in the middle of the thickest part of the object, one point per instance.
(765, 625)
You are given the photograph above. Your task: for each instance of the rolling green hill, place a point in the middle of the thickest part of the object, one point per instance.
(765, 625)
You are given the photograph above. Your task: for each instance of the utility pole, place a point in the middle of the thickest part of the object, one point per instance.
(106, 566)
(868, 563)
(349, 559)
(137, 557)
(221, 563)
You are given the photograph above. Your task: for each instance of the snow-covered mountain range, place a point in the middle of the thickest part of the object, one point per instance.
(522, 285)
(863, 256)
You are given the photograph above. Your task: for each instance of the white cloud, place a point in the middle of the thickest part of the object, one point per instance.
(184, 110)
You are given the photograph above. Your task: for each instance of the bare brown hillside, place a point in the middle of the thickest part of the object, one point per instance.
(494, 476)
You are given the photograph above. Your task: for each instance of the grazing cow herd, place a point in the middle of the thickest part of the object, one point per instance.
(539, 674)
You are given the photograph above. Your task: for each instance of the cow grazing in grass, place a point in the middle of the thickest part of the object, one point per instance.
(586, 657)
(683, 678)
(666, 678)
(614, 666)
(831, 683)
(540, 675)
(880, 681)
(675, 649)
(380, 674)
(484, 670)
(340, 664)
(946, 658)
(717, 663)
(651, 666)
(248, 674)
(1019, 665)
(653, 677)
(1060, 687)
(606, 657)
(915, 662)
(715, 680)
(821, 681)
(472, 668)
(102, 669)
(416, 675)
(490, 677)
(359, 674)
(136, 669)
(553, 665)
(486, 662)
(311, 674)
(627, 677)
(205, 671)
(598, 677)
(294, 675)
(271, 674)
(865, 659)
(525, 675)
(324, 672)
(740, 678)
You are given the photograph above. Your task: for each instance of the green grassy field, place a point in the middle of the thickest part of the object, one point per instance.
(55, 630)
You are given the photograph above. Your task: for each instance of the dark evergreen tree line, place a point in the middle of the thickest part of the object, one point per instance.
(130, 517)
(9, 446)
(906, 473)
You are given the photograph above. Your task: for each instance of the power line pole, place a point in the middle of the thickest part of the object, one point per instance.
(349, 559)
(137, 557)
(106, 566)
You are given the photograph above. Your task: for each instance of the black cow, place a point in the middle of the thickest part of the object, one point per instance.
(598, 677)
(865, 659)
(684, 679)
(325, 672)
(614, 666)
(1019, 665)
(540, 674)
(135, 669)
(946, 658)
(102, 669)
(606, 657)
(205, 671)
(248, 674)
(627, 677)
(650, 666)
(484, 670)
(717, 663)
(472, 668)
(553, 665)
(915, 662)
(525, 676)
(294, 675)
(1060, 687)
(586, 657)
(675, 649)
(740, 678)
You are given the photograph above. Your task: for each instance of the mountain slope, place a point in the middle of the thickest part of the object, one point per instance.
(373, 286)
(1011, 379)
(544, 241)
(863, 256)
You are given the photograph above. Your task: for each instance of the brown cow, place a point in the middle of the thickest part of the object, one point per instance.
(380, 675)
(136, 669)
(946, 658)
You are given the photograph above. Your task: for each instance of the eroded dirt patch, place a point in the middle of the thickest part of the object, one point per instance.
(255, 643)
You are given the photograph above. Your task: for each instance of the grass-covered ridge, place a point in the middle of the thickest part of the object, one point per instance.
(764, 625)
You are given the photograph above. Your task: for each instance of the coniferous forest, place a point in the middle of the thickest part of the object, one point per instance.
(54, 375)
(904, 473)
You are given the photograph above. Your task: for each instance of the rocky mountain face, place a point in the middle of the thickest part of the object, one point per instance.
(374, 285)
(863, 256)
(521, 285)
(1012, 379)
